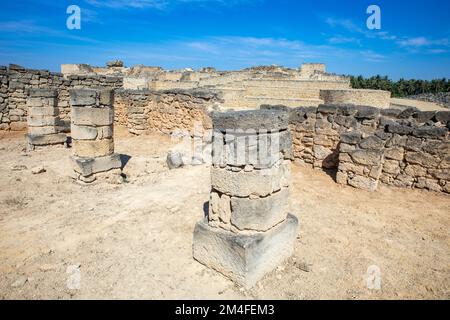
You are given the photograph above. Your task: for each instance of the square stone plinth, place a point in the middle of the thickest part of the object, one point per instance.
(88, 166)
(244, 258)
(44, 140)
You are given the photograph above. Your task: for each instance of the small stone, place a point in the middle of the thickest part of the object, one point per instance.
(174, 160)
(19, 167)
(19, 282)
(38, 170)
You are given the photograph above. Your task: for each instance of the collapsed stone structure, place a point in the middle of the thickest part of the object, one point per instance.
(92, 134)
(242, 89)
(43, 119)
(317, 130)
(248, 231)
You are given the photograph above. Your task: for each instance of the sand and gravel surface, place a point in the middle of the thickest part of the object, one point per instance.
(134, 240)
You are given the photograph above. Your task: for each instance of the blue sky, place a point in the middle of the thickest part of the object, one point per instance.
(414, 40)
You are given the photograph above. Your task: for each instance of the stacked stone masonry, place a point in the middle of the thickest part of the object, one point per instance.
(403, 148)
(43, 119)
(248, 230)
(150, 111)
(92, 130)
(16, 81)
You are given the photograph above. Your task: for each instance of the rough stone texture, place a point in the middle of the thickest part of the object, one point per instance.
(244, 258)
(243, 184)
(248, 231)
(92, 134)
(374, 98)
(89, 166)
(94, 148)
(389, 145)
(43, 119)
(16, 83)
(259, 214)
(269, 120)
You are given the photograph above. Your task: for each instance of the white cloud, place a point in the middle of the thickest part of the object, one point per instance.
(423, 42)
(159, 4)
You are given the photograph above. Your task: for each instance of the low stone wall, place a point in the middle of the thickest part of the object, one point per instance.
(163, 111)
(19, 81)
(4, 116)
(372, 98)
(406, 148)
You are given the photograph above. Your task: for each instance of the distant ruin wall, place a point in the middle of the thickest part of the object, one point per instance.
(157, 111)
(18, 80)
(367, 145)
(372, 98)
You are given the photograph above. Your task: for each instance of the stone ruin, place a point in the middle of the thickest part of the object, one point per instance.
(248, 230)
(92, 129)
(306, 116)
(43, 119)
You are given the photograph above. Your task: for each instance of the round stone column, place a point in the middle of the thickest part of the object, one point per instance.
(248, 230)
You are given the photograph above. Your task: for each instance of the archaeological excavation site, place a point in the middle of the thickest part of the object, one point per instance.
(262, 183)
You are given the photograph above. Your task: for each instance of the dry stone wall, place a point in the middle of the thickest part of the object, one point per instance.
(408, 148)
(163, 111)
(19, 81)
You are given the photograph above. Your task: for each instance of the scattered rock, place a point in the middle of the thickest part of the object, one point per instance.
(38, 170)
(19, 167)
(20, 282)
(175, 160)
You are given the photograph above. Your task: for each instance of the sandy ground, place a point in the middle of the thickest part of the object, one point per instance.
(134, 240)
(421, 105)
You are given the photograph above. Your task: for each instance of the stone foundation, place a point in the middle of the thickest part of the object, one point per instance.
(92, 128)
(248, 231)
(43, 119)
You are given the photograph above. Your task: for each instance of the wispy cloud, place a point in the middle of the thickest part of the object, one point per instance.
(160, 4)
(423, 42)
(32, 28)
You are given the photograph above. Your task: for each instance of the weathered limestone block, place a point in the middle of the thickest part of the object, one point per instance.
(85, 116)
(259, 183)
(259, 214)
(46, 139)
(364, 183)
(93, 148)
(270, 120)
(241, 257)
(41, 121)
(89, 166)
(367, 157)
(83, 132)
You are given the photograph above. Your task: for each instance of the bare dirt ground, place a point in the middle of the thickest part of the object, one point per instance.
(421, 105)
(134, 240)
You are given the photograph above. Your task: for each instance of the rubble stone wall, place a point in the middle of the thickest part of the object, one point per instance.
(19, 81)
(408, 148)
(163, 111)
(373, 98)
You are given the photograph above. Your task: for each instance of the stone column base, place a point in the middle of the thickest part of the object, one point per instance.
(88, 169)
(245, 259)
(34, 141)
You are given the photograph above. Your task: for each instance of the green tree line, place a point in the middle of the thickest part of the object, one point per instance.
(402, 87)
